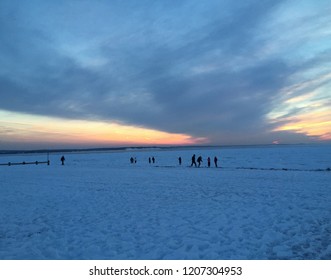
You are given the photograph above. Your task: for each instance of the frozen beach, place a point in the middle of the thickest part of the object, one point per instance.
(268, 202)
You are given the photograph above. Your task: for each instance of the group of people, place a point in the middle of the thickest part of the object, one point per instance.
(196, 162)
(152, 160)
(133, 160)
(199, 160)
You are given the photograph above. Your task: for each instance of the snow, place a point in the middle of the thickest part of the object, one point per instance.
(269, 202)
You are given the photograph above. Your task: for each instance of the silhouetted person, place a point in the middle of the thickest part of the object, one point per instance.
(199, 160)
(208, 161)
(62, 160)
(135, 160)
(180, 161)
(131, 160)
(149, 160)
(193, 161)
(215, 161)
(153, 159)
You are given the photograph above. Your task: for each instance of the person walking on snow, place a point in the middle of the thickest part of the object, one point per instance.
(199, 160)
(193, 161)
(208, 160)
(215, 161)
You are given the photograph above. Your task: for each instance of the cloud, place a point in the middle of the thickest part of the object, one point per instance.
(205, 73)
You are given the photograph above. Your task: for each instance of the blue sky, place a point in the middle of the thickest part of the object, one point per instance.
(91, 73)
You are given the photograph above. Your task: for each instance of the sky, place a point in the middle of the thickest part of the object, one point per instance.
(108, 73)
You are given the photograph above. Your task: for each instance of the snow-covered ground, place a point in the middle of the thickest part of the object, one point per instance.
(264, 203)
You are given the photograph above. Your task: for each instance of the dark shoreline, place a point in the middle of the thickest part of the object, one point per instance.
(142, 148)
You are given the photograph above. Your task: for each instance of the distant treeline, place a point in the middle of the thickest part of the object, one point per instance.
(6, 152)
(43, 151)
(141, 148)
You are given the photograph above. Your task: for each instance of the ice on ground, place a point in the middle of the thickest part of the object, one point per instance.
(263, 203)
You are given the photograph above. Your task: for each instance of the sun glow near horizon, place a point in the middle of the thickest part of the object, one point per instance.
(314, 124)
(28, 129)
(304, 109)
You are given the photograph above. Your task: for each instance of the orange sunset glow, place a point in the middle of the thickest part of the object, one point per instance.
(315, 124)
(78, 132)
(304, 108)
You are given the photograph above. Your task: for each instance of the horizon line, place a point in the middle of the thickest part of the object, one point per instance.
(141, 147)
